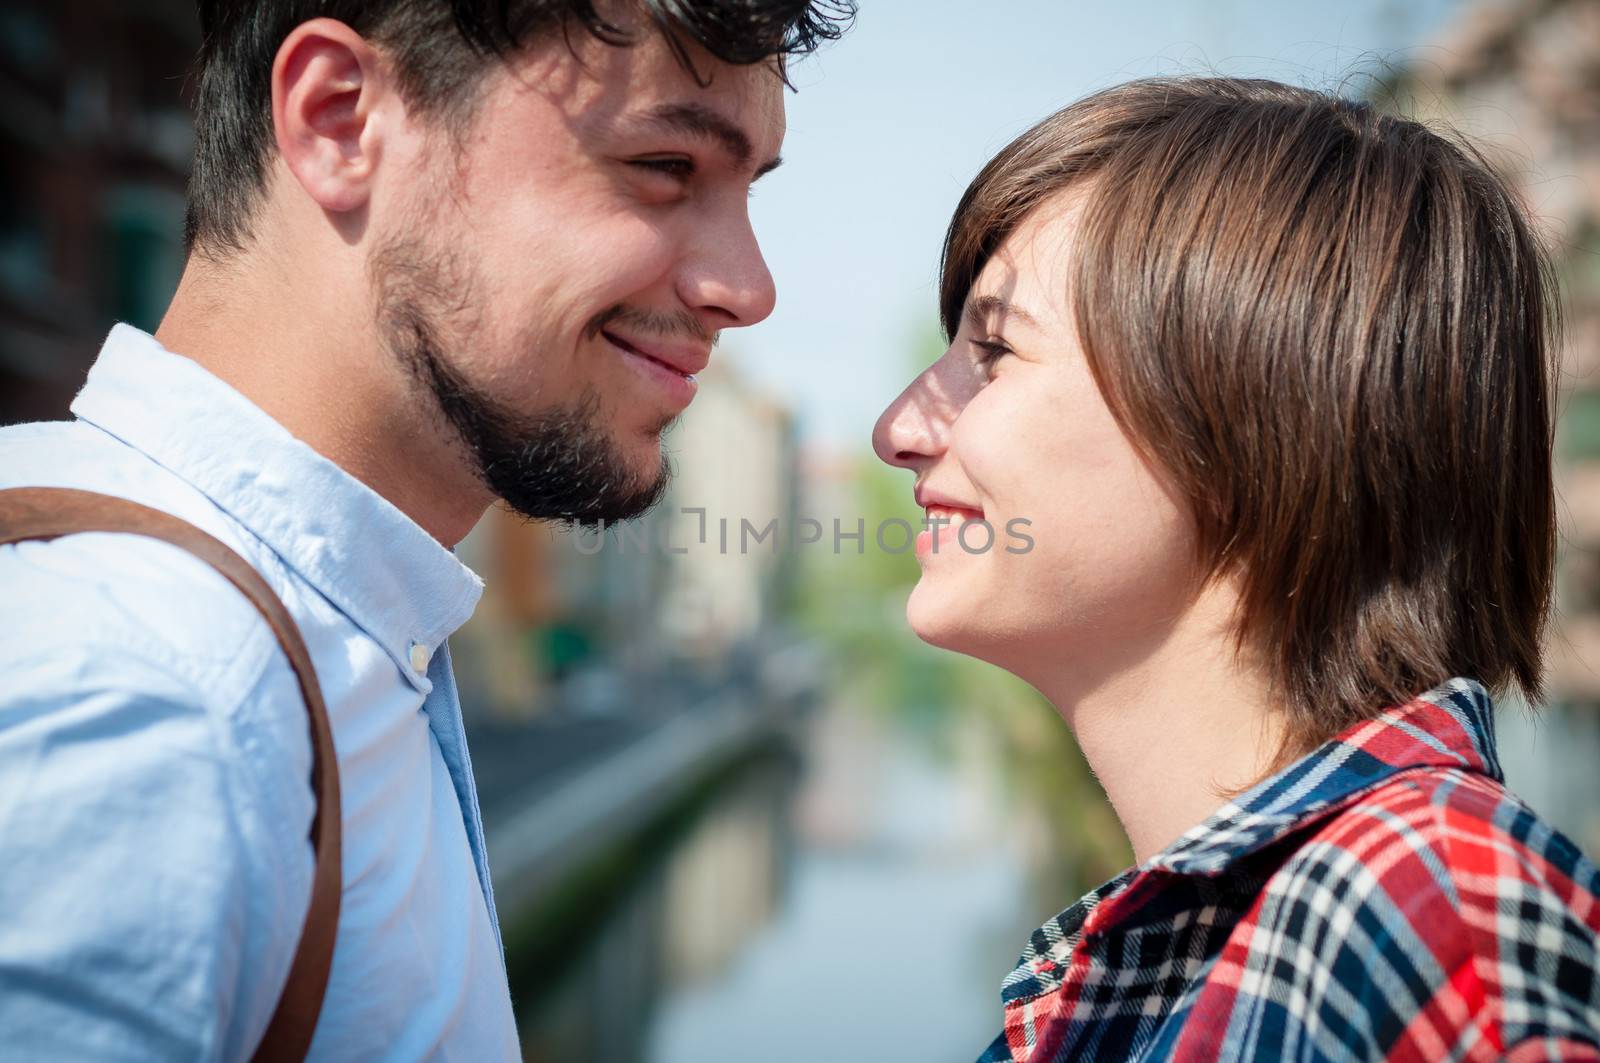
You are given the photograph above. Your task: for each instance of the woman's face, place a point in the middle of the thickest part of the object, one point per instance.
(1008, 427)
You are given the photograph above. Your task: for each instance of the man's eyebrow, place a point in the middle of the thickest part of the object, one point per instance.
(982, 307)
(697, 120)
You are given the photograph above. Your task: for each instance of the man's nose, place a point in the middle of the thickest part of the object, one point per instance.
(727, 281)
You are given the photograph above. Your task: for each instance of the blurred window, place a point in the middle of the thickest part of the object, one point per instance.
(144, 251)
(27, 42)
(24, 251)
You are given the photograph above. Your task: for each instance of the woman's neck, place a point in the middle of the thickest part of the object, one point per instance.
(1171, 738)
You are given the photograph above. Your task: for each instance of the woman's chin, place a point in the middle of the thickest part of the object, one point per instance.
(968, 625)
(939, 621)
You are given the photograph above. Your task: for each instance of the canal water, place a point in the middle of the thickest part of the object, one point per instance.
(848, 898)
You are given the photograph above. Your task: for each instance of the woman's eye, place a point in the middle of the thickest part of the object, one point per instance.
(679, 169)
(989, 351)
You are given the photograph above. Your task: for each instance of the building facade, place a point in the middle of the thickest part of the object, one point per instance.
(95, 144)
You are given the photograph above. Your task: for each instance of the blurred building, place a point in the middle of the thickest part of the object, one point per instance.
(95, 143)
(1522, 77)
(735, 457)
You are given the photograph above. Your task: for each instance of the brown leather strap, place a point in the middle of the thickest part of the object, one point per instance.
(50, 512)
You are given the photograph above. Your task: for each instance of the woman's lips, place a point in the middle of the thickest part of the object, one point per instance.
(942, 529)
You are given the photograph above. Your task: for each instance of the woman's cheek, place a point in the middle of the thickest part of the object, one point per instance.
(1014, 465)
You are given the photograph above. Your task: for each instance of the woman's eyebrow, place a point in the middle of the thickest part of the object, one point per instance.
(980, 309)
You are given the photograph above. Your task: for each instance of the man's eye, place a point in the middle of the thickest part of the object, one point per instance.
(679, 169)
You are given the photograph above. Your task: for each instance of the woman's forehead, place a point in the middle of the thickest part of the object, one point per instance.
(1026, 275)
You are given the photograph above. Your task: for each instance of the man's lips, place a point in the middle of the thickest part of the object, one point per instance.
(667, 369)
(683, 359)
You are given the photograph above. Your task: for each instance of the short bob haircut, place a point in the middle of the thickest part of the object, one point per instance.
(1331, 329)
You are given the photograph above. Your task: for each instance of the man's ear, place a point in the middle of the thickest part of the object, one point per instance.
(327, 87)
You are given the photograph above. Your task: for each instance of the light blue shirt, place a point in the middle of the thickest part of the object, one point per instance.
(154, 756)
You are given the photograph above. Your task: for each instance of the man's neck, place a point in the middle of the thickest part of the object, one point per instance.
(306, 352)
(1173, 737)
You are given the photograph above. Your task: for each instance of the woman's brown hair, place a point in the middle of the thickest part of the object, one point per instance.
(1331, 329)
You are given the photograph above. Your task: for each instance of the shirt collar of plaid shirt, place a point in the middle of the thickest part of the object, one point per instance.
(1449, 726)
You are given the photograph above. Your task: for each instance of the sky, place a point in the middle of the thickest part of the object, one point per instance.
(890, 124)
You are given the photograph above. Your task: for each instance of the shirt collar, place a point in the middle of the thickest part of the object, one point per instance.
(380, 568)
(1450, 726)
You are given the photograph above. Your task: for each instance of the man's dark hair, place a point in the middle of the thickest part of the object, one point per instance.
(441, 49)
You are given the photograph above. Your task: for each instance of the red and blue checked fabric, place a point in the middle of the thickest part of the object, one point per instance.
(1384, 898)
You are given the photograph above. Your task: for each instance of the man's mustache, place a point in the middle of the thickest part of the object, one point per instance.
(653, 323)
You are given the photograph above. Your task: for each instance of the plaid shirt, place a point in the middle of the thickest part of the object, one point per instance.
(1383, 898)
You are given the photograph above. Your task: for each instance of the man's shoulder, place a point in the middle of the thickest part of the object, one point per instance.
(72, 448)
(81, 596)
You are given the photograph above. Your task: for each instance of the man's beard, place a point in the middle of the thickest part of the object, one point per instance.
(559, 463)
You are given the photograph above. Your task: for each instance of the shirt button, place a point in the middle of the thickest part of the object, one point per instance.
(419, 657)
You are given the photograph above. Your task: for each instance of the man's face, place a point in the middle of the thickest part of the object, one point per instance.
(557, 278)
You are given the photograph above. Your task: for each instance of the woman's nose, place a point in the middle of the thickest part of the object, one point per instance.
(915, 428)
